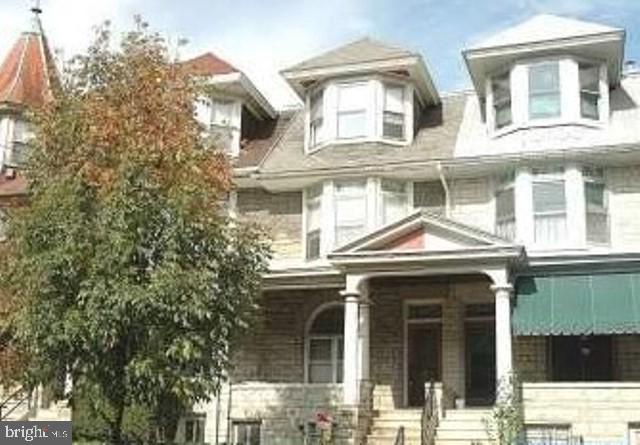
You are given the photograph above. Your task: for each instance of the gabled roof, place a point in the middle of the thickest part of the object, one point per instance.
(208, 64)
(360, 51)
(544, 27)
(363, 56)
(28, 72)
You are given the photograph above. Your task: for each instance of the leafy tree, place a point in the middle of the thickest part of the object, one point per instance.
(124, 270)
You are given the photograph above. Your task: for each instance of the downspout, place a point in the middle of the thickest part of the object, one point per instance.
(445, 186)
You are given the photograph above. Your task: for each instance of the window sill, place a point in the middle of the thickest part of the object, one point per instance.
(547, 123)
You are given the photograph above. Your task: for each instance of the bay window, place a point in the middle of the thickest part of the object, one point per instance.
(589, 90)
(506, 208)
(316, 118)
(597, 220)
(393, 115)
(352, 110)
(544, 90)
(501, 88)
(549, 207)
(350, 211)
(313, 222)
(395, 201)
(325, 346)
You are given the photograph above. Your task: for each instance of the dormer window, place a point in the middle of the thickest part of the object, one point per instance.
(544, 91)
(393, 116)
(316, 117)
(352, 110)
(222, 113)
(589, 91)
(366, 109)
(501, 86)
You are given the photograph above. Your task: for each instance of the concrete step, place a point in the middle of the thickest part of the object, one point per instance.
(393, 430)
(376, 439)
(401, 414)
(465, 424)
(467, 414)
(463, 434)
(461, 442)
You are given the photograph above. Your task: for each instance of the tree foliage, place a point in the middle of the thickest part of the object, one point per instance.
(125, 270)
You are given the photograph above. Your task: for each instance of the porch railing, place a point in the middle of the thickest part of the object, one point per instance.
(14, 401)
(429, 416)
(399, 436)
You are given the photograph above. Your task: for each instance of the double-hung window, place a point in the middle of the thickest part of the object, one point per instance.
(505, 207)
(501, 87)
(350, 210)
(544, 91)
(589, 91)
(352, 110)
(549, 207)
(194, 429)
(246, 433)
(395, 201)
(596, 206)
(313, 222)
(325, 346)
(221, 113)
(316, 118)
(393, 116)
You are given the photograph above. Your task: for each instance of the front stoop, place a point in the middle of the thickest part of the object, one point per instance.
(463, 427)
(386, 423)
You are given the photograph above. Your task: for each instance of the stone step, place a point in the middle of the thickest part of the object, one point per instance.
(388, 439)
(461, 442)
(393, 430)
(402, 414)
(396, 423)
(464, 424)
(463, 434)
(467, 414)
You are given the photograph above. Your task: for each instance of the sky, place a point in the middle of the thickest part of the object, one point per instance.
(261, 37)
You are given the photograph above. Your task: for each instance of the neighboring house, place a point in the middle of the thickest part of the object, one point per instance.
(450, 238)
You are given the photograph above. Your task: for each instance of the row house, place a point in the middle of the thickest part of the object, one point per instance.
(432, 251)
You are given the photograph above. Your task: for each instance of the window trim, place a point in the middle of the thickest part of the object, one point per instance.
(509, 100)
(551, 177)
(245, 422)
(363, 195)
(335, 339)
(594, 93)
(503, 186)
(557, 65)
(588, 178)
(365, 110)
(385, 112)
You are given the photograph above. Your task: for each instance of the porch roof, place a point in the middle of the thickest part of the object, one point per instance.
(585, 304)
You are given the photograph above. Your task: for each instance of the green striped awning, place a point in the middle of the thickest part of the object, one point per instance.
(577, 304)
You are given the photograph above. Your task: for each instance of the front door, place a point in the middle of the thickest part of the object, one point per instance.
(423, 359)
(480, 345)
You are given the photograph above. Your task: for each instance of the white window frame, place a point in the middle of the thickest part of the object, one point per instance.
(316, 122)
(558, 67)
(550, 176)
(388, 113)
(336, 341)
(504, 184)
(597, 93)
(236, 424)
(403, 194)
(313, 195)
(362, 110)
(508, 101)
(362, 194)
(595, 176)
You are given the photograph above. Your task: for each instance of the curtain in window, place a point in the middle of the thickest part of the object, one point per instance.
(352, 110)
(394, 111)
(316, 117)
(589, 91)
(506, 213)
(325, 346)
(550, 209)
(597, 214)
(350, 211)
(394, 201)
(544, 91)
(501, 86)
(314, 212)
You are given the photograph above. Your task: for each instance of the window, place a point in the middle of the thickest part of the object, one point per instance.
(547, 434)
(246, 433)
(634, 434)
(22, 135)
(393, 117)
(394, 201)
(221, 113)
(506, 208)
(194, 429)
(314, 221)
(316, 118)
(581, 358)
(549, 207)
(589, 90)
(544, 91)
(325, 346)
(352, 110)
(350, 211)
(597, 214)
(501, 87)
(429, 195)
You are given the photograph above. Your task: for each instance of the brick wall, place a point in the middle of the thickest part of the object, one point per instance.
(280, 214)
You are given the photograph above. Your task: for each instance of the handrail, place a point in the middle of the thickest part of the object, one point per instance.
(25, 398)
(429, 416)
(399, 436)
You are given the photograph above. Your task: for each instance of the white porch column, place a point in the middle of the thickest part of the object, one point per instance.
(504, 351)
(352, 360)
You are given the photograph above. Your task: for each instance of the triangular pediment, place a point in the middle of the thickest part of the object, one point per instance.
(424, 231)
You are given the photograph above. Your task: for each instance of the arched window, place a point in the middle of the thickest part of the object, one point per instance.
(324, 345)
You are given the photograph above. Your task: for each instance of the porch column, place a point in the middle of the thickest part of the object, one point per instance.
(353, 341)
(363, 339)
(504, 351)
